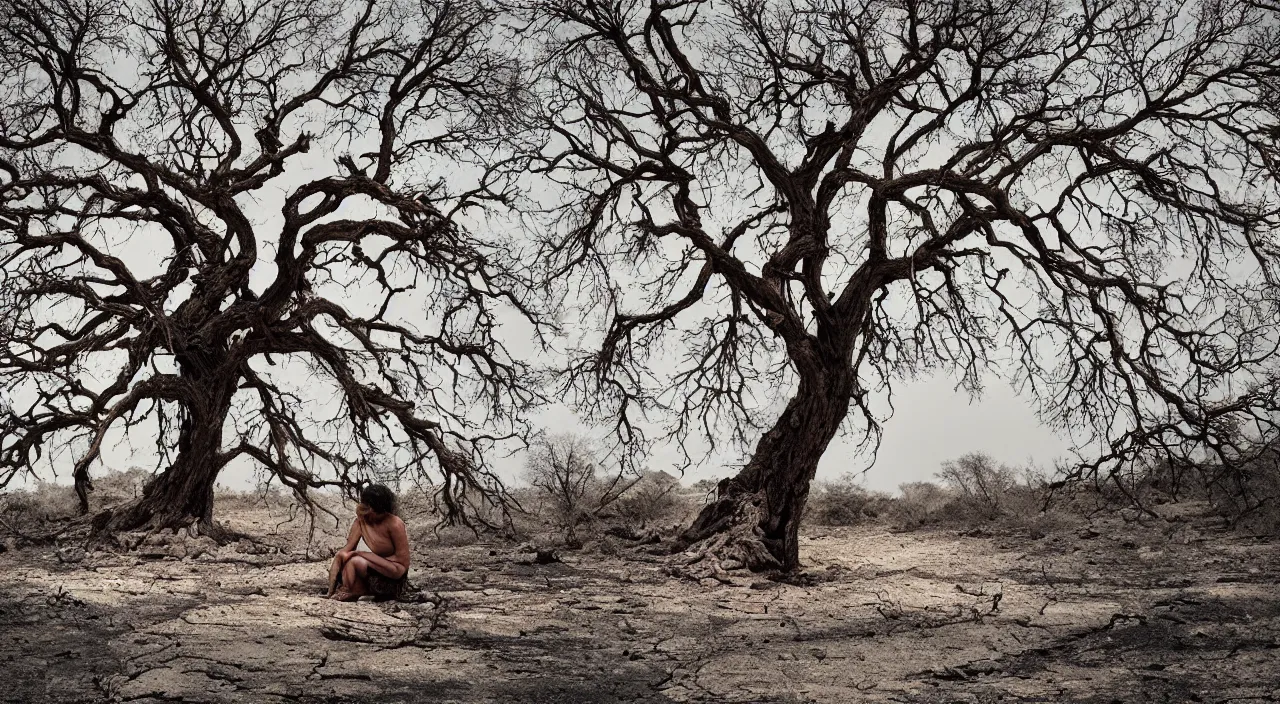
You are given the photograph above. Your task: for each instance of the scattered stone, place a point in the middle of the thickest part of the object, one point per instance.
(731, 565)
(71, 554)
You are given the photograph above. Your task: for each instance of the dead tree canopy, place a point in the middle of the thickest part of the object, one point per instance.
(821, 198)
(225, 225)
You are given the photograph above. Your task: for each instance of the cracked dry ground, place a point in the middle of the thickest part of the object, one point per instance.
(1128, 614)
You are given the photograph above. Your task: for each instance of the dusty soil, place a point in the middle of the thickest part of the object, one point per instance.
(1170, 611)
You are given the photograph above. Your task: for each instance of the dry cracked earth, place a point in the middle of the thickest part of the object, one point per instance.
(1168, 611)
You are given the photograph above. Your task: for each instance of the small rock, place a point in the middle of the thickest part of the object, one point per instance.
(71, 554)
(731, 565)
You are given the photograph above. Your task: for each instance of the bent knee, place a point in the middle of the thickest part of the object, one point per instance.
(359, 564)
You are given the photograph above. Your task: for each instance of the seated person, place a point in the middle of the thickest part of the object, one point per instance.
(381, 571)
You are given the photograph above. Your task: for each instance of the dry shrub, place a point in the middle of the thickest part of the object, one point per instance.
(1251, 499)
(1245, 494)
(569, 499)
(119, 487)
(227, 499)
(920, 504)
(449, 536)
(654, 498)
(980, 485)
(259, 497)
(975, 492)
(569, 490)
(30, 511)
(26, 513)
(845, 502)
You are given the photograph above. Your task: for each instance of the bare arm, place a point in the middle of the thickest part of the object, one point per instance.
(397, 565)
(353, 538)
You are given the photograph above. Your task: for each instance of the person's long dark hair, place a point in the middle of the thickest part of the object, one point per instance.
(379, 498)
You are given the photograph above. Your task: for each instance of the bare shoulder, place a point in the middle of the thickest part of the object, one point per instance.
(397, 524)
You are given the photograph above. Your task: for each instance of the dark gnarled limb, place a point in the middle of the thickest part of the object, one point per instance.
(821, 199)
(351, 336)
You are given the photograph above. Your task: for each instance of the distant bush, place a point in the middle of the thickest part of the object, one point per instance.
(563, 473)
(1244, 492)
(1250, 495)
(118, 487)
(654, 498)
(845, 502)
(981, 486)
(974, 492)
(27, 514)
(919, 504)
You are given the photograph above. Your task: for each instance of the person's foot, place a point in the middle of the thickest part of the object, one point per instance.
(344, 595)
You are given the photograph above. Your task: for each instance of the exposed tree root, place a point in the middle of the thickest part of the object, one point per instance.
(727, 536)
(51, 532)
(134, 517)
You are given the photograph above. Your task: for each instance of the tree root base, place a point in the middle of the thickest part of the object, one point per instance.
(725, 538)
(135, 519)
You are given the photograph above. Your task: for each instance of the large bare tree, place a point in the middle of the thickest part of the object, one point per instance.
(820, 197)
(226, 224)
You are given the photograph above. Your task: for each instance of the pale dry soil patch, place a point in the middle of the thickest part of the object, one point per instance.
(1115, 612)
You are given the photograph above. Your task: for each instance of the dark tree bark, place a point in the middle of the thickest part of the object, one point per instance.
(776, 480)
(826, 198)
(182, 495)
(173, 263)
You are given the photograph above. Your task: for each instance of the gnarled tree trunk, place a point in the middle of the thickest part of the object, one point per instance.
(756, 514)
(182, 495)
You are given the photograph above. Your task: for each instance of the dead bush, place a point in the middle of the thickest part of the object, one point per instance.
(1244, 492)
(1252, 501)
(569, 490)
(919, 504)
(118, 487)
(981, 485)
(26, 514)
(845, 502)
(654, 498)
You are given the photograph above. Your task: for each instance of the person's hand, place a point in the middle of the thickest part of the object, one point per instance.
(345, 555)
